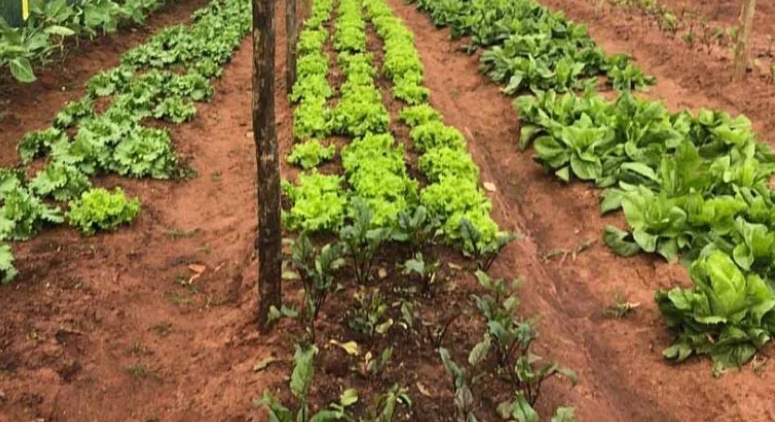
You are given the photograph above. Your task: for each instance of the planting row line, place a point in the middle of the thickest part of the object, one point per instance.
(531, 48)
(374, 165)
(383, 205)
(162, 79)
(690, 185)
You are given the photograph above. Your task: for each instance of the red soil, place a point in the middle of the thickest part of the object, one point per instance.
(109, 329)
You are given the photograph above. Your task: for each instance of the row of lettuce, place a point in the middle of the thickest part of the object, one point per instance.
(374, 164)
(49, 25)
(375, 201)
(691, 186)
(162, 79)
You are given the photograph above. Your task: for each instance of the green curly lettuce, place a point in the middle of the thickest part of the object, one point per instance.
(99, 209)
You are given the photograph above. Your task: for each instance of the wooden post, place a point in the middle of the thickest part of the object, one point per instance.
(743, 45)
(291, 34)
(269, 235)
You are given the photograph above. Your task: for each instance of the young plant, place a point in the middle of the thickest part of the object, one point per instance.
(310, 154)
(361, 241)
(483, 252)
(384, 409)
(510, 341)
(368, 316)
(436, 332)
(425, 270)
(316, 271)
(461, 384)
(418, 228)
(373, 365)
(301, 379)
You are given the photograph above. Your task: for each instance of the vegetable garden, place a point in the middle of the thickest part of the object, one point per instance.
(457, 177)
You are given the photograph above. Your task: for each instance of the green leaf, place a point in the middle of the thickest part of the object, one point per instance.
(518, 409)
(59, 30)
(617, 240)
(564, 414)
(349, 397)
(303, 371)
(480, 351)
(99, 209)
(21, 69)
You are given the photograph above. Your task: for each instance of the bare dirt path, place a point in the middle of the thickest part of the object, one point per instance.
(623, 376)
(114, 328)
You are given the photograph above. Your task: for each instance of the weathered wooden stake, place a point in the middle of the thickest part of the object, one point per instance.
(269, 235)
(291, 34)
(743, 45)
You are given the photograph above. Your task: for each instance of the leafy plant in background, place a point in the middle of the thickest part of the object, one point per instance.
(316, 271)
(301, 380)
(175, 110)
(74, 111)
(146, 152)
(99, 209)
(624, 76)
(50, 23)
(35, 144)
(60, 181)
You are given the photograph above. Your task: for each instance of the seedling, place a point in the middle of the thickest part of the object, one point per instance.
(141, 372)
(373, 365)
(417, 228)
(425, 270)
(301, 380)
(511, 340)
(384, 408)
(316, 271)
(461, 385)
(368, 316)
(436, 332)
(361, 241)
(483, 251)
(621, 307)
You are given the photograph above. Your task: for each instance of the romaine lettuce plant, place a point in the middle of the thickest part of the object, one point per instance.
(727, 315)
